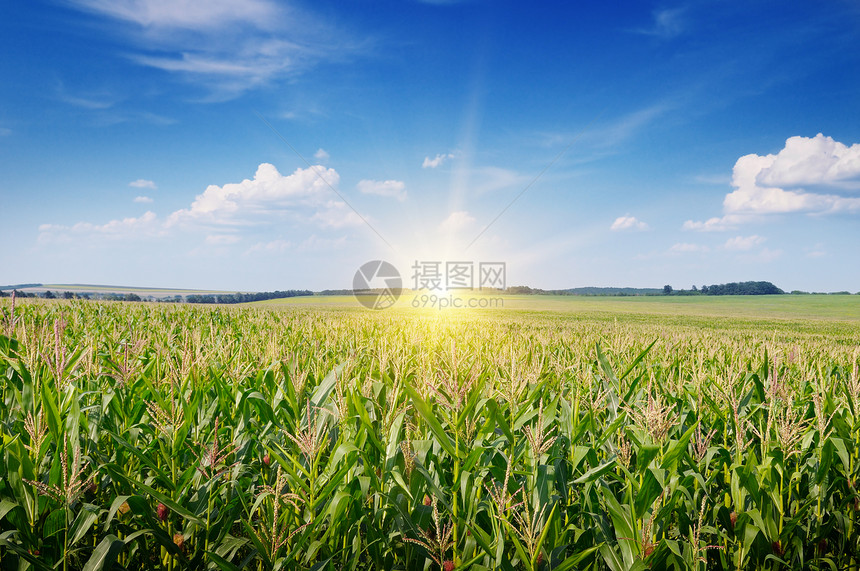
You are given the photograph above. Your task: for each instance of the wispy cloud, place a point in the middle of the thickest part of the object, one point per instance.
(322, 155)
(142, 199)
(390, 188)
(146, 225)
(628, 222)
(717, 224)
(5, 132)
(142, 183)
(184, 14)
(667, 23)
(436, 161)
(229, 46)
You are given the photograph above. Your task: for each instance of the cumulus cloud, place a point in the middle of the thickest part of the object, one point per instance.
(686, 248)
(456, 221)
(808, 175)
(142, 199)
(220, 211)
(627, 222)
(743, 242)
(435, 162)
(321, 155)
(268, 194)
(814, 175)
(806, 162)
(390, 188)
(142, 183)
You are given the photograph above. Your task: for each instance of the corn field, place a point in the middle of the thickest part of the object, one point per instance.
(140, 436)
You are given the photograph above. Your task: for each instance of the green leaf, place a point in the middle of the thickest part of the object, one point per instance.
(637, 360)
(83, 523)
(595, 472)
(677, 449)
(649, 491)
(105, 554)
(431, 420)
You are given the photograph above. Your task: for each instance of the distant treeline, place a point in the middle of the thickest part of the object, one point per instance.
(246, 297)
(733, 288)
(194, 298)
(615, 291)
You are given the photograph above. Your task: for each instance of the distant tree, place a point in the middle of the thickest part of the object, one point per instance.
(132, 297)
(50, 295)
(704, 289)
(694, 288)
(68, 295)
(667, 289)
(743, 288)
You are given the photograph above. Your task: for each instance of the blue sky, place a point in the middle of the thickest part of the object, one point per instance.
(148, 142)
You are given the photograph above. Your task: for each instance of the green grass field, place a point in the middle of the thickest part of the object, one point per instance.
(311, 433)
(769, 307)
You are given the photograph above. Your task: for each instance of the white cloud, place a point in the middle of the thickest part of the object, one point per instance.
(721, 224)
(818, 163)
(142, 199)
(685, 248)
(271, 198)
(144, 225)
(814, 175)
(628, 222)
(229, 46)
(268, 195)
(142, 183)
(813, 161)
(743, 242)
(435, 162)
(456, 221)
(390, 188)
(184, 14)
(322, 155)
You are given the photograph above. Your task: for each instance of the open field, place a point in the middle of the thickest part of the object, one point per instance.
(558, 433)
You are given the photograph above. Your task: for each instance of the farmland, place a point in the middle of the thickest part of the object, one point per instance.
(554, 434)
